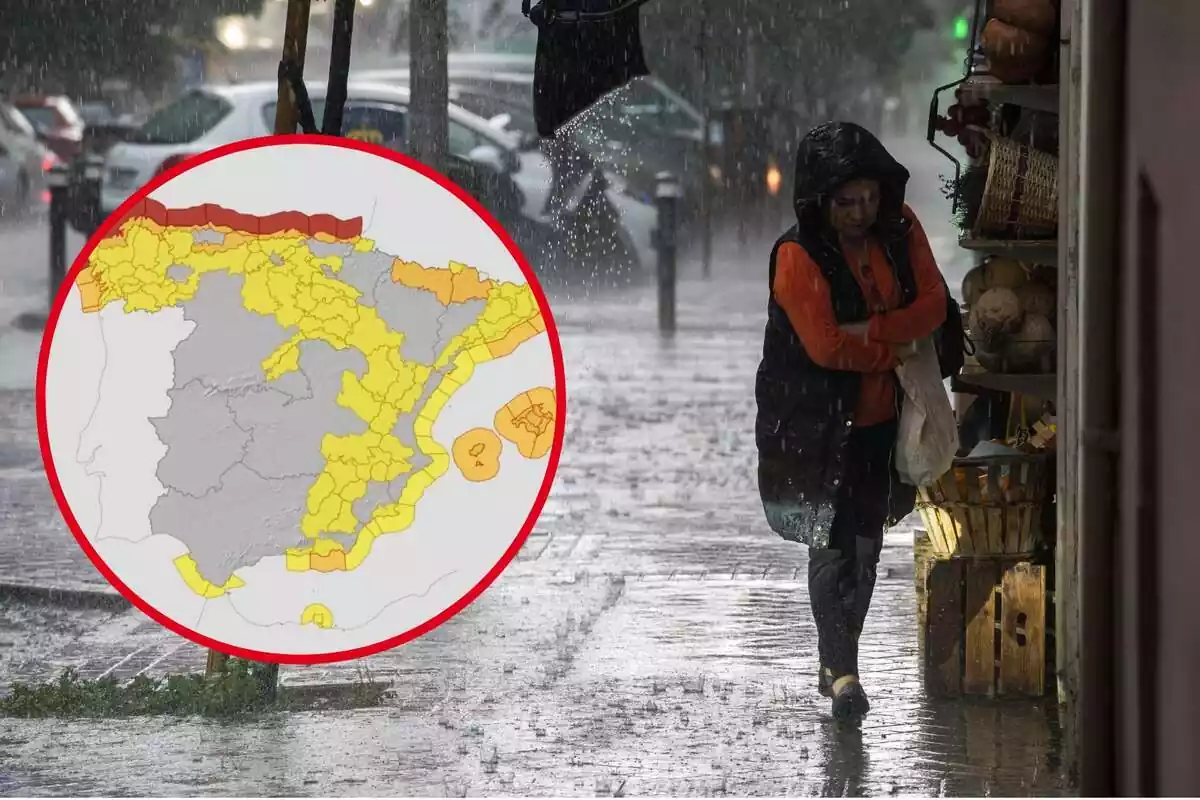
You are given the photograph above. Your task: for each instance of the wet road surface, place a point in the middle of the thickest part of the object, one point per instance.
(653, 636)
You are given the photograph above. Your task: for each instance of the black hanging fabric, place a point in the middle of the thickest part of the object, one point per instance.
(585, 49)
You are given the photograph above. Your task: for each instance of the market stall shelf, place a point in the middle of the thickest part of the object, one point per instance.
(1034, 251)
(1032, 96)
(1043, 386)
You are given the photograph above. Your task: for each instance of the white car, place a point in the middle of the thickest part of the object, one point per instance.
(23, 164)
(210, 116)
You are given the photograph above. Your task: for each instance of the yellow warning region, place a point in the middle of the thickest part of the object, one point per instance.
(528, 422)
(317, 614)
(477, 454)
(285, 280)
(188, 570)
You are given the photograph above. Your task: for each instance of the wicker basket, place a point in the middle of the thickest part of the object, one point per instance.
(1020, 198)
(987, 506)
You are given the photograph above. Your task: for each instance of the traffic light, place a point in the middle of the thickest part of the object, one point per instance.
(962, 28)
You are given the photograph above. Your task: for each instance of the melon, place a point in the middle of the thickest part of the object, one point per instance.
(996, 316)
(1004, 273)
(1035, 16)
(1037, 299)
(1014, 55)
(1033, 347)
(973, 285)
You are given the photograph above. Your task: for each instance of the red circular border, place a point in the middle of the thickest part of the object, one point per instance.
(449, 186)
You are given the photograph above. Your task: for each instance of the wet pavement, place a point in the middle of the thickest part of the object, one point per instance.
(653, 637)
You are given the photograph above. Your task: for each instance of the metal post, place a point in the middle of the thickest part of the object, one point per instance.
(667, 194)
(57, 180)
(706, 160)
(93, 169)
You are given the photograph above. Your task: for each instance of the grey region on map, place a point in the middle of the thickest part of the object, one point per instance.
(242, 452)
(208, 236)
(178, 272)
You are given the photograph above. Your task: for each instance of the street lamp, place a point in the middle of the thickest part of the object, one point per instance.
(585, 49)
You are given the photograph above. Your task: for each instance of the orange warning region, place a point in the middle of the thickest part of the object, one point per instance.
(90, 290)
(477, 454)
(324, 227)
(334, 561)
(458, 284)
(528, 422)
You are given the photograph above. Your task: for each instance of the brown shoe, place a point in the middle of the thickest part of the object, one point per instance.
(849, 699)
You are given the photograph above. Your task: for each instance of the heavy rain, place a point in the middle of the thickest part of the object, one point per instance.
(682, 619)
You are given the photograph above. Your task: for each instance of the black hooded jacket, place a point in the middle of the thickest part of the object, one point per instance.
(806, 411)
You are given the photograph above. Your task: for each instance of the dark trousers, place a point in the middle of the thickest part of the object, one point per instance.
(841, 579)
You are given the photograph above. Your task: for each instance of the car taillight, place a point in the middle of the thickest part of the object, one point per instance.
(170, 161)
(48, 162)
(774, 180)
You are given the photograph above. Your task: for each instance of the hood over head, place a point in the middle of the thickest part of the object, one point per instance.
(837, 152)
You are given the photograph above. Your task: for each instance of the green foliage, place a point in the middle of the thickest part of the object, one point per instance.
(968, 191)
(233, 692)
(236, 692)
(71, 46)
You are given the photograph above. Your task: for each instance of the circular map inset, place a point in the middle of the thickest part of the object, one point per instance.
(300, 399)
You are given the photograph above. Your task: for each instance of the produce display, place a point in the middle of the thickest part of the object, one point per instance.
(1036, 16)
(1010, 317)
(965, 121)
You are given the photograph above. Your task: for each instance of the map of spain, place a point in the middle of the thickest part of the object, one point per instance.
(304, 391)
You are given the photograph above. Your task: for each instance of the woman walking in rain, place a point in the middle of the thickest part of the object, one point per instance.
(853, 285)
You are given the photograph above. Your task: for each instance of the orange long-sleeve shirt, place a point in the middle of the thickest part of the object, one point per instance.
(803, 293)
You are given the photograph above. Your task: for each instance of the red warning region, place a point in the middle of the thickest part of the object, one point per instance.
(218, 216)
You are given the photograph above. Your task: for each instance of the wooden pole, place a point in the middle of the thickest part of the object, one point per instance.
(428, 52)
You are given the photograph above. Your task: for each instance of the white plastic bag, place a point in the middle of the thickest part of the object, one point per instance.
(928, 439)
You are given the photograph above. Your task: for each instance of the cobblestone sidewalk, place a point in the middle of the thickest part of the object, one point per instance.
(652, 637)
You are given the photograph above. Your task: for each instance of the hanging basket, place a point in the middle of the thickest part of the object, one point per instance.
(1020, 197)
(988, 506)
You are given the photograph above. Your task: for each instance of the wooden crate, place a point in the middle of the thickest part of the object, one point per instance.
(983, 627)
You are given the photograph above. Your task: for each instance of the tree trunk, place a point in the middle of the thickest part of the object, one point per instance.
(295, 37)
(428, 50)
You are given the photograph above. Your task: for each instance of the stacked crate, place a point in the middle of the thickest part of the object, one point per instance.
(983, 584)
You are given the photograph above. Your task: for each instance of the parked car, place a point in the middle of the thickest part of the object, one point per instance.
(24, 162)
(599, 221)
(57, 122)
(103, 128)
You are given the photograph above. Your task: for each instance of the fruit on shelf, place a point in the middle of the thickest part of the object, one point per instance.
(948, 126)
(974, 284)
(994, 318)
(1004, 273)
(1037, 299)
(1035, 16)
(1032, 348)
(1014, 55)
